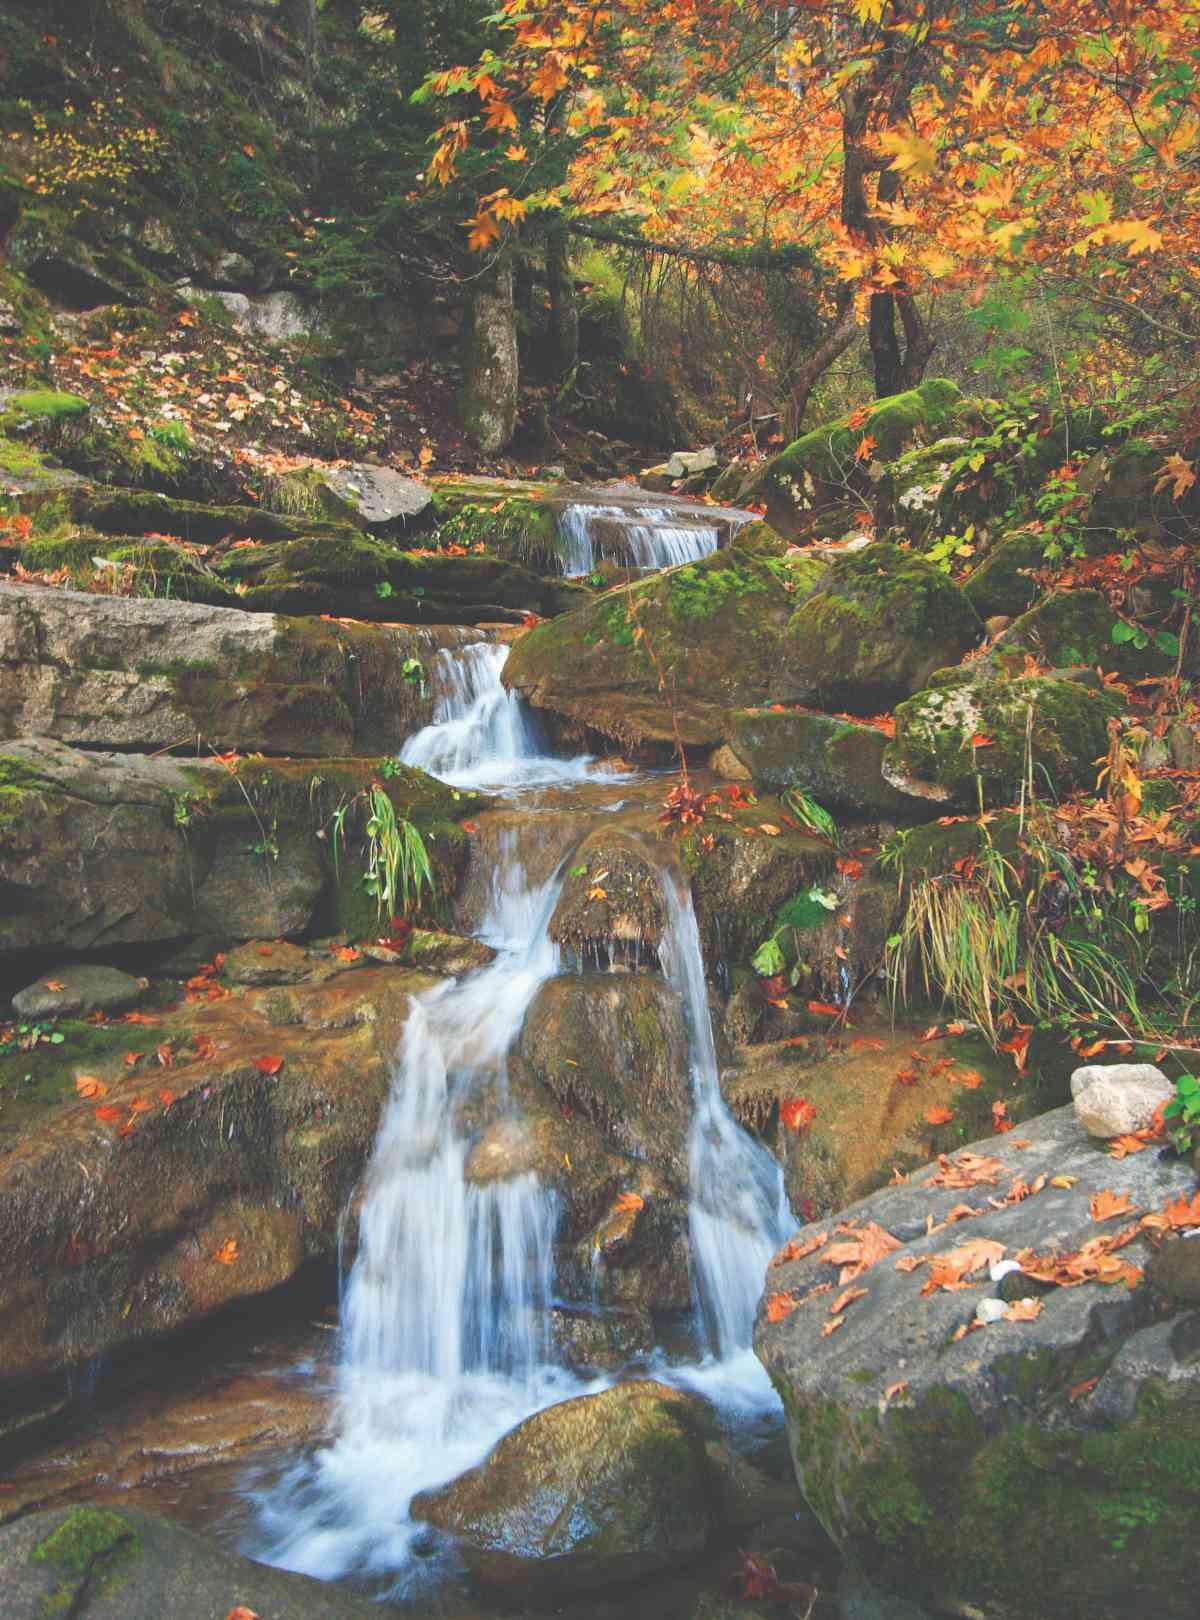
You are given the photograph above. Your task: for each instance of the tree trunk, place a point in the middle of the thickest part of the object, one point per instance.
(487, 403)
(564, 309)
(300, 20)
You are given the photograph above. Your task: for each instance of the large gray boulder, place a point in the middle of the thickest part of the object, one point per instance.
(78, 988)
(599, 1489)
(104, 1563)
(141, 672)
(1042, 1465)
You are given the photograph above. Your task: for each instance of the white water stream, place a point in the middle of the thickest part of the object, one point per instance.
(443, 1346)
(650, 537)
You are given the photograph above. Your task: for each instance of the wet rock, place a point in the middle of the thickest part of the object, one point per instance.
(256, 894)
(599, 1489)
(682, 463)
(100, 849)
(874, 630)
(106, 1240)
(80, 988)
(449, 954)
(1060, 725)
(1175, 1271)
(601, 1340)
(860, 1599)
(723, 762)
(140, 672)
(276, 962)
(716, 625)
(995, 1434)
(611, 904)
(839, 763)
(98, 1563)
(613, 1046)
(1116, 1099)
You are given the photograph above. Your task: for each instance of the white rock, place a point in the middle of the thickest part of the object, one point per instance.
(990, 1310)
(1116, 1099)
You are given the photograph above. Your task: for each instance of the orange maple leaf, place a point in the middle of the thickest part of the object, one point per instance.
(779, 1306)
(797, 1114)
(938, 1114)
(88, 1086)
(268, 1065)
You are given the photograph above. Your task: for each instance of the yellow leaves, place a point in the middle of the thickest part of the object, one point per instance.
(911, 153)
(443, 162)
(1177, 472)
(515, 154)
(1137, 234)
(484, 230)
(869, 11)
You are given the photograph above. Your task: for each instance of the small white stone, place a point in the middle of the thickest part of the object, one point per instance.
(1116, 1099)
(990, 1310)
(1001, 1269)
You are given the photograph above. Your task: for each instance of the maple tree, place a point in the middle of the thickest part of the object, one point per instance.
(909, 149)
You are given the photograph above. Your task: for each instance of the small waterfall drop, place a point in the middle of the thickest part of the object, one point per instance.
(738, 1212)
(443, 1343)
(638, 536)
(481, 735)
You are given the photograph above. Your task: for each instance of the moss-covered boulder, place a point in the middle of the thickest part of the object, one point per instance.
(1043, 1464)
(102, 849)
(97, 1562)
(1003, 582)
(814, 468)
(611, 903)
(146, 673)
(955, 741)
(682, 645)
(838, 763)
(1067, 629)
(613, 1047)
(600, 1489)
(874, 630)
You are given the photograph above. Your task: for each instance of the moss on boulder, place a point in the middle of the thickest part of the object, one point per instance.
(839, 763)
(878, 625)
(812, 468)
(1072, 628)
(713, 631)
(953, 742)
(1003, 582)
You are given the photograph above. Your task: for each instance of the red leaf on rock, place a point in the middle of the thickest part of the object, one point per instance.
(797, 1114)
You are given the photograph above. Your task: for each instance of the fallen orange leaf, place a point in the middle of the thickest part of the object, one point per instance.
(629, 1203)
(88, 1086)
(268, 1065)
(939, 1114)
(108, 1114)
(779, 1306)
(1106, 1204)
(227, 1253)
(797, 1114)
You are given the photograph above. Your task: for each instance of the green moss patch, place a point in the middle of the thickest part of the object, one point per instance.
(91, 1549)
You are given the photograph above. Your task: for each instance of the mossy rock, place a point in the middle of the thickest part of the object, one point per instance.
(598, 1489)
(134, 512)
(880, 622)
(760, 540)
(812, 468)
(953, 743)
(836, 762)
(1003, 582)
(1075, 628)
(40, 415)
(680, 646)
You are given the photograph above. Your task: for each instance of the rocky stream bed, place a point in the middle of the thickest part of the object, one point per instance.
(601, 1234)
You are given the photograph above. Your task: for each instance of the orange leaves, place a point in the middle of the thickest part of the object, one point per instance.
(88, 1086)
(797, 1114)
(794, 1250)
(54, 984)
(952, 1270)
(241, 1612)
(845, 1299)
(867, 447)
(849, 867)
(1025, 1310)
(967, 1170)
(832, 1326)
(166, 1098)
(860, 1249)
(779, 1306)
(938, 1114)
(268, 1065)
(227, 1254)
(1106, 1204)
(629, 1203)
(108, 1114)
(1000, 1120)
(1183, 1213)
(825, 1009)
(769, 828)
(1177, 472)
(347, 953)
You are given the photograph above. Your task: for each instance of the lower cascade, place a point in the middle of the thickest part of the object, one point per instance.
(640, 537)
(444, 1342)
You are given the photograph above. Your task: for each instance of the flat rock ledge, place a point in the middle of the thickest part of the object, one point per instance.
(1042, 1465)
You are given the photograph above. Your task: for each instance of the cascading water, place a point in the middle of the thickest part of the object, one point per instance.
(483, 736)
(649, 537)
(738, 1214)
(443, 1347)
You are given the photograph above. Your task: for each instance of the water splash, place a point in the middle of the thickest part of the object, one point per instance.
(483, 736)
(444, 1343)
(638, 536)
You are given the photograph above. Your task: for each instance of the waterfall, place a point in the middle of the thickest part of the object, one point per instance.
(738, 1213)
(481, 735)
(647, 537)
(443, 1344)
